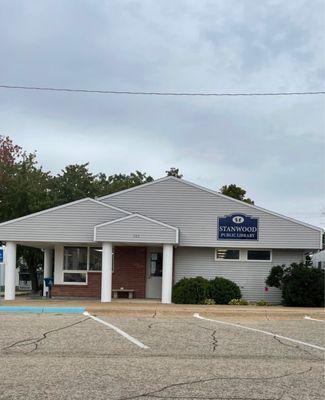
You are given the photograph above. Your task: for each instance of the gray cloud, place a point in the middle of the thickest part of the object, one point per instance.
(274, 147)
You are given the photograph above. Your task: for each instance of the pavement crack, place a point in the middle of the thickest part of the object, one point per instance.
(213, 334)
(35, 341)
(293, 346)
(214, 340)
(157, 392)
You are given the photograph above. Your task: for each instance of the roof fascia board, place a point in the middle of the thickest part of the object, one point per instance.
(248, 205)
(63, 206)
(216, 194)
(135, 187)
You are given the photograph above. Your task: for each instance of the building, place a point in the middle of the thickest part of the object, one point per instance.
(142, 240)
(318, 259)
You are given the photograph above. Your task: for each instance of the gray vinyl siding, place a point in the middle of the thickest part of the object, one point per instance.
(136, 230)
(195, 212)
(249, 276)
(73, 223)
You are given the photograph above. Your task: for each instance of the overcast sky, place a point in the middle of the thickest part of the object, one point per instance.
(272, 146)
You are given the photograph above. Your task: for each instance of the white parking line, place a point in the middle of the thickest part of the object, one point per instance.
(313, 319)
(118, 330)
(196, 315)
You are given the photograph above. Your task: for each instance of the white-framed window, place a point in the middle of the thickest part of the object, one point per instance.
(251, 255)
(78, 261)
(227, 254)
(259, 255)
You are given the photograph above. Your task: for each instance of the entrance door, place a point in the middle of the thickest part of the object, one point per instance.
(154, 274)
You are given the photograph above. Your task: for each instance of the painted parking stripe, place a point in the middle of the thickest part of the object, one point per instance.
(118, 330)
(313, 319)
(196, 315)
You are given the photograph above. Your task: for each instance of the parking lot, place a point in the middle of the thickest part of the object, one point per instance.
(76, 357)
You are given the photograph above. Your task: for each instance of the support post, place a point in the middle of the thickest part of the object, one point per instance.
(167, 275)
(48, 267)
(107, 264)
(10, 270)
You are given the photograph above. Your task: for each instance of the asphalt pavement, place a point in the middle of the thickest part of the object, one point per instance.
(76, 357)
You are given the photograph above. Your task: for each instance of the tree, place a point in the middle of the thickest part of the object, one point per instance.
(24, 188)
(301, 284)
(73, 183)
(117, 182)
(174, 172)
(236, 192)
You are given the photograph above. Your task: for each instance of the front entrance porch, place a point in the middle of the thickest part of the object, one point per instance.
(94, 272)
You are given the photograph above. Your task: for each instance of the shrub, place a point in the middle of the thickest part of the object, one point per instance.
(202, 291)
(238, 302)
(301, 284)
(191, 291)
(262, 303)
(209, 302)
(223, 290)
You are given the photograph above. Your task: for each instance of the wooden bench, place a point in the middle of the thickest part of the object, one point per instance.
(117, 291)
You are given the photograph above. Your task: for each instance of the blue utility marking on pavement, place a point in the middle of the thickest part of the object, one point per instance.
(39, 310)
(63, 310)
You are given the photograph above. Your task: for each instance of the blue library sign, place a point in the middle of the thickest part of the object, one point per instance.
(237, 227)
(1, 255)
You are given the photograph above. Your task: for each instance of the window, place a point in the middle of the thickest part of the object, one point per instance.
(242, 255)
(75, 264)
(78, 261)
(262, 255)
(75, 277)
(155, 264)
(75, 258)
(227, 254)
(95, 259)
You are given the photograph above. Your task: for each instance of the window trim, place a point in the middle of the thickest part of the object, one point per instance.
(243, 255)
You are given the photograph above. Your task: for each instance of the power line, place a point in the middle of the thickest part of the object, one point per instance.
(140, 93)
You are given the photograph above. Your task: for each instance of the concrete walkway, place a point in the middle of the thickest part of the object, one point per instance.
(151, 308)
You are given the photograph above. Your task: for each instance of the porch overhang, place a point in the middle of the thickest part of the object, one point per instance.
(136, 228)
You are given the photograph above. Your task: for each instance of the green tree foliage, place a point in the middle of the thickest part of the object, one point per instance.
(236, 192)
(174, 172)
(26, 188)
(301, 284)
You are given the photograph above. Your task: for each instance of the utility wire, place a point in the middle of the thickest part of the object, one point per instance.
(138, 93)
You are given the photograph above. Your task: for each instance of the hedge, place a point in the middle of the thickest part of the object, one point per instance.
(198, 290)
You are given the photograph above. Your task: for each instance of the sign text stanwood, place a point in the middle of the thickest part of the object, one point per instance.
(237, 227)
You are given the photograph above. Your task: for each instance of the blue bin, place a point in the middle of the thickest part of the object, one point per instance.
(49, 282)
